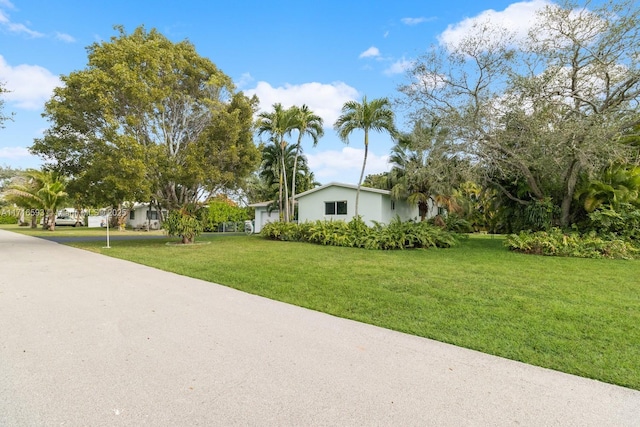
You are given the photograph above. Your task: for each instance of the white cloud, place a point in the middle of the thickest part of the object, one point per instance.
(13, 27)
(517, 19)
(65, 37)
(372, 52)
(30, 86)
(244, 80)
(416, 21)
(325, 100)
(7, 4)
(386, 34)
(399, 67)
(345, 165)
(13, 153)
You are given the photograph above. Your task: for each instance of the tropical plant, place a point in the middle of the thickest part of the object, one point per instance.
(279, 123)
(186, 222)
(356, 234)
(40, 190)
(306, 123)
(423, 172)
(271, 172)
(616, 184)
(555, 242)
(366, 116)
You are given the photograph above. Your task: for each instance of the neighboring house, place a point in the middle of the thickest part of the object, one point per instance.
(264, 215)
(335, 201)
(141, 215)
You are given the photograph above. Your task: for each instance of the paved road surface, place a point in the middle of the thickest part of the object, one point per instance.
(87, 340)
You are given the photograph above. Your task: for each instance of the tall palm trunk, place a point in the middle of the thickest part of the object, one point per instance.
(280, 206)
(364, 164)
(52, 219)
(286, 186)
(293, 176)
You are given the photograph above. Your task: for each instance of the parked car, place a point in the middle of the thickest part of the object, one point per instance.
(68, 220)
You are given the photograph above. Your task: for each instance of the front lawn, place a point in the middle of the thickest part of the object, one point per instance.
(579, 316)
(68, 231)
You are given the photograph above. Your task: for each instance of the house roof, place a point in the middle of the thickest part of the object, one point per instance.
(349, 186)
(259, 204)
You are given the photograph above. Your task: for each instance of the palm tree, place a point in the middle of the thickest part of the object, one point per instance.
(306, 123)
(423, 171)
(43, 190)
(618, 183)
(375, 115)
(409, 175)
(278, 123)
(271, 172)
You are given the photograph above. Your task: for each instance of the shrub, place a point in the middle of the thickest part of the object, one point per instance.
(8, 219)
(557, 243)
(186, 223)
(356, 234)
(623, 221)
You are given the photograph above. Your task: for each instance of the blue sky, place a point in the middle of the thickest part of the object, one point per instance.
(321, 53)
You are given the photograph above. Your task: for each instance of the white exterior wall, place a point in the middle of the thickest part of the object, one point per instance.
(373, 206)
(140, 218)
(263, 216)
(400, 208)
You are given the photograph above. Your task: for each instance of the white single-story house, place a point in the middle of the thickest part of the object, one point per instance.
(264, 215)
(141, 215)
(336, 201)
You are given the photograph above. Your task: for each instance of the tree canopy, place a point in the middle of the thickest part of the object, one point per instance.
(538, 113)
(375, 115)
(148, 119)
(3, 116)
(43, 190)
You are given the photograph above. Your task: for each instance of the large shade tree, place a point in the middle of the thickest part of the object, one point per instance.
(540, 111)
(375, 115)
(148, 120)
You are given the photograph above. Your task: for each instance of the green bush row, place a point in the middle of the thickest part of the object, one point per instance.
(357, 234)
(8, 219)
(558, 243)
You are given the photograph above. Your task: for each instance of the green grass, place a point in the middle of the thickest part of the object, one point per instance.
(67, 231)
(579, 316)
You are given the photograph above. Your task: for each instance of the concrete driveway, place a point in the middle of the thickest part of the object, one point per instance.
(88, 340)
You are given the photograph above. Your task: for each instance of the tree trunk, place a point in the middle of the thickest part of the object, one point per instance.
(293, 178)
(280, 206)
(34, 220)
(571, 179)
(423, 208)
(286, 186)
(52, 220)
(364, 164)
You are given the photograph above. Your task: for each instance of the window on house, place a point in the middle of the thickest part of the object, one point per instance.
(132, 214)
(393, 205)
(441, 210)
(152, 215)
(335, 208)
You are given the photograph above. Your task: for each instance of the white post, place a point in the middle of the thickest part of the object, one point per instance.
(107, 247)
